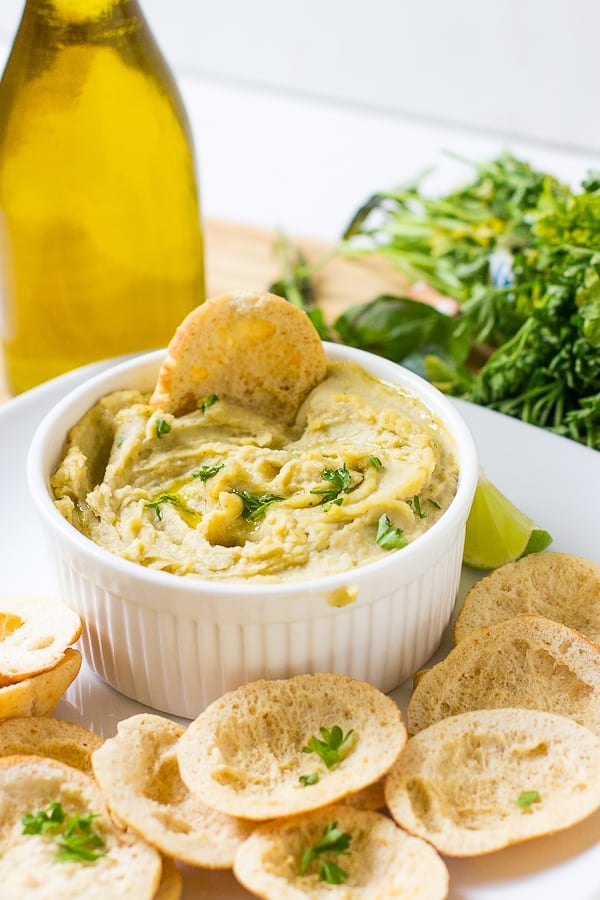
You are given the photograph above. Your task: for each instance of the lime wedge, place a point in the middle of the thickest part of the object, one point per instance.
(497, 531)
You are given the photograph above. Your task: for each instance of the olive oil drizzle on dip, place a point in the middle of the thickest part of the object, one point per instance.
(225, 493)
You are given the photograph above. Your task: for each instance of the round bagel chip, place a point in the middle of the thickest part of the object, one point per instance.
(42, 736)
(34, 634)
(558, 586)
(275, 748)
(363, 852)
(58, 840)
(40, 694)
(250, 348)
(482, 780)
(139, 778)
(171, 881)
(371, 798)
(526, 661)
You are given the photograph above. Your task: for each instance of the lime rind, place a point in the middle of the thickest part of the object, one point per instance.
(537, 542)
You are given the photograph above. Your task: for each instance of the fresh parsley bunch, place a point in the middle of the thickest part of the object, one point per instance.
(520, 253)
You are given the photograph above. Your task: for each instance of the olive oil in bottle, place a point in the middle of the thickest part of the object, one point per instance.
(101, 248)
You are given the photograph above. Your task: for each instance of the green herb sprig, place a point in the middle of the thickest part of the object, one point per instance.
(311, 778)
(389, 537)
(255, 507)
(161, 427)
(333, 840)
(415, 502)
(526, 798)
(206, 472)
(340, 482)
(156, 504)
(295, 285)
(74, 835)
(334, 746)
(207, 402)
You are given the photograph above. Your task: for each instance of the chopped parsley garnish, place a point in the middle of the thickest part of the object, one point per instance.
(339, 480)
(255, 507)
(162, 427)
(416, 505)
(309, 779)
(44, 820)
(334, 747)
(333, 840)
(337, 502)
(526, 798)
(206, 472)
(375, 462)
(74, 835)
(156, 504)
(388, 537)
(207, 402)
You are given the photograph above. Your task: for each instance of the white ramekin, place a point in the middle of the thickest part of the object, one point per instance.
(177, 643)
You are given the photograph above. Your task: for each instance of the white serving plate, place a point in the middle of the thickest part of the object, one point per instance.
(556, 481)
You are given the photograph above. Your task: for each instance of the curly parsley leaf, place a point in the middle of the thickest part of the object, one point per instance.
(334, 746)
(206, 472)
(333, 840)
(156, 504)
(340, 482)
(75, 836)
(255, 507)
(161, 427)
(44, 820)
(389, 537)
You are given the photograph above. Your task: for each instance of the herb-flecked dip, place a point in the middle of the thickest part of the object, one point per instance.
(224, 493)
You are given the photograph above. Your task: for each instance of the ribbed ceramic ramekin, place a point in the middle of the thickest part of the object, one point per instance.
(177, 643)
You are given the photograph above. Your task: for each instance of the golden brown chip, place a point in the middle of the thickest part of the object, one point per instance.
(254, 349)
(370, 798)
(42, 736)
(127, 866)
(482, 780)
(380, 862)
(34, 634)
(526, 661)
(558, 586)
(39, 695)
(139, 778)
(171, 882)
(257, 751)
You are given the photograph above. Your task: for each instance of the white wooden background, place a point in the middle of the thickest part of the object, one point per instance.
(302, 109)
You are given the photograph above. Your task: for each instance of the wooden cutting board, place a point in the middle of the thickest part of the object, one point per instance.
(241, 257)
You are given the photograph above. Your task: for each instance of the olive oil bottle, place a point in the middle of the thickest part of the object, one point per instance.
(101, 249)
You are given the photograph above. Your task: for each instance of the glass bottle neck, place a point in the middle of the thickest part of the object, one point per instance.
(82, 12)
(60, 23)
